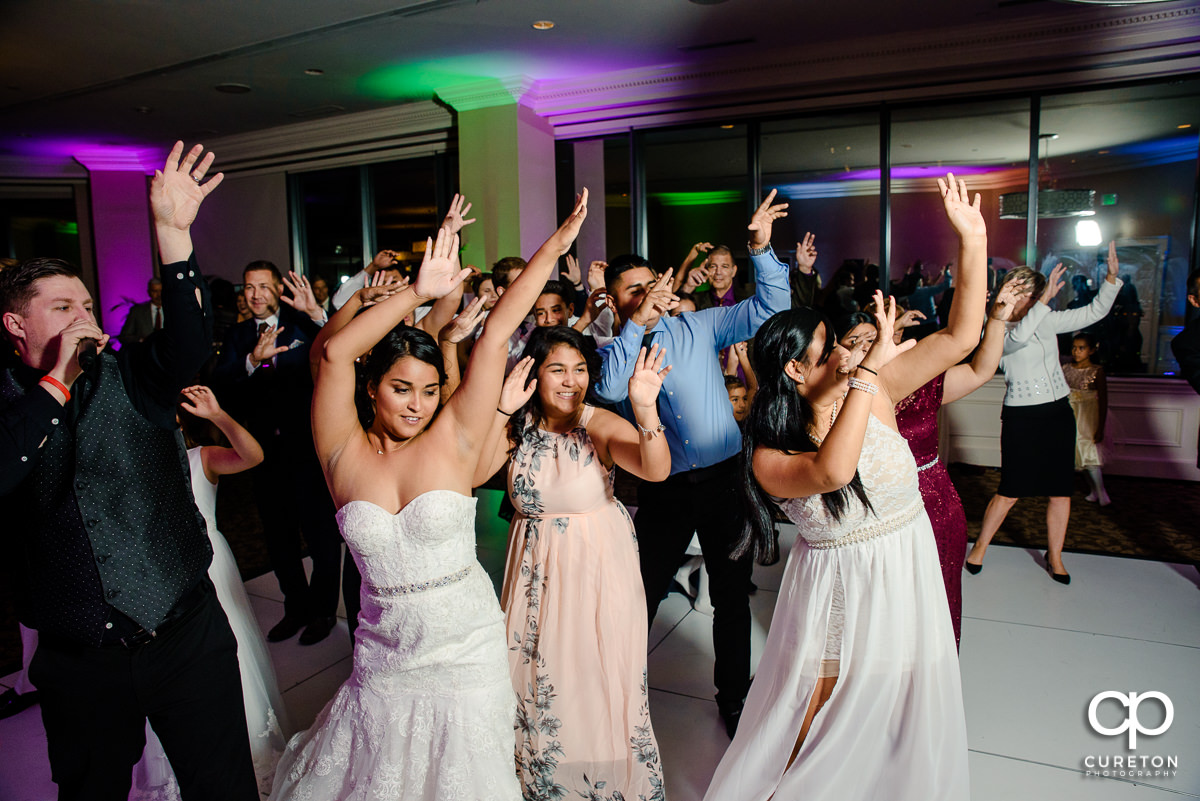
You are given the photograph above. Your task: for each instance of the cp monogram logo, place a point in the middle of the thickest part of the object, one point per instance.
(1131, 723)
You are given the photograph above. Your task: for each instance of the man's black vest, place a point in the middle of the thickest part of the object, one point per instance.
(107, 516)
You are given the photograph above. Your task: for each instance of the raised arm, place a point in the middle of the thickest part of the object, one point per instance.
(1069, 320)
(445, 308)
(449, 337)
(334, 416)
(834, 463)
(642, 451)
(619, 356)
(245, 452)
(516, 392)
(377, 288)
(698, 249)
(963, 379)
(772, 293)
(943, 349)
(470, 407)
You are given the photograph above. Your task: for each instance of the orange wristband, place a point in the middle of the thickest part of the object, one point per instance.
(60, 386)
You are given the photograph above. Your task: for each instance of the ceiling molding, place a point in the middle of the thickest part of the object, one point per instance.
(41, 168)
(394, 129)
(1019, 54)
(490, 93)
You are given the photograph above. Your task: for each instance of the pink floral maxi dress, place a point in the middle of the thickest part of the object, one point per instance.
(576, 617)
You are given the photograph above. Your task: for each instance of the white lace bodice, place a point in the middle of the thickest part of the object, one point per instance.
(889, 476)
(430, 538)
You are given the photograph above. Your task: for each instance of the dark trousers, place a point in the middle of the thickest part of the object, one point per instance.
(704, 502)
(292, 498)
(95, 703)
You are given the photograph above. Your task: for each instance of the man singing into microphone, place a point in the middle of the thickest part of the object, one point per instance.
(101, 524)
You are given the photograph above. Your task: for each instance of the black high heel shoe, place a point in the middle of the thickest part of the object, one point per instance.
(973, 569)
(1061, 578)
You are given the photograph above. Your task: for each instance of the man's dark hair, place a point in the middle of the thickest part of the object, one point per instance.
(1193, 284)
(560, 288)
(18, 284)
(721, 249)
(732, 381)
(263, 265)
(621, 264)
(502, 268)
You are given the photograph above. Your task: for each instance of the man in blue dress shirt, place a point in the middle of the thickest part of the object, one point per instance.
(700, 496)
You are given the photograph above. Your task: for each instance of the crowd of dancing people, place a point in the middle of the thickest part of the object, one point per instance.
(369, 417)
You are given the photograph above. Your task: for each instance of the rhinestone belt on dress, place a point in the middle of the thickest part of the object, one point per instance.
(876, 529)
(928, 464)
(419, 586)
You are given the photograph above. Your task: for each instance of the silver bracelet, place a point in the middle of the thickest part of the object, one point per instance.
(760, 251)
(650, 432)
(858, 383)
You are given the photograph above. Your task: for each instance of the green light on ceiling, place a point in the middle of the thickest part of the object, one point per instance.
(712, 198)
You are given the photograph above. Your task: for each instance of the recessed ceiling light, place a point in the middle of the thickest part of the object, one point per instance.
(314, 71)
(232, 88)
(543, 25)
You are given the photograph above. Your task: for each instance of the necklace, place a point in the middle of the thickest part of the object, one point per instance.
(384, 453)
(832, 418)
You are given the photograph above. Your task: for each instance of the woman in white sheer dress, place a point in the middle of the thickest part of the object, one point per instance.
(857, 695)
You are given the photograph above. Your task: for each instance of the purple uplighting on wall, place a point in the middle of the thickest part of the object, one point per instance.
(914, 172)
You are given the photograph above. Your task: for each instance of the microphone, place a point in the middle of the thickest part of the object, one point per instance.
(88, 354)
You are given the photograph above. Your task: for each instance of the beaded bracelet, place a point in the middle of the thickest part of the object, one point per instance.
(858, 383)
(650, 432)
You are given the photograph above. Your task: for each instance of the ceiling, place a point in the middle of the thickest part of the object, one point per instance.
(80, 73)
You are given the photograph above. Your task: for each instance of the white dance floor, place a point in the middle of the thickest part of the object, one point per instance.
(1034, 654)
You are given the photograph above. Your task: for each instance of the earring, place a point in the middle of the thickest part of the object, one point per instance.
(799, 379)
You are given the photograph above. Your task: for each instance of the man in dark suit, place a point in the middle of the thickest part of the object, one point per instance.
(97, 505)
(144, 318)
(1186, 344)
(264, 365)
(719, 270)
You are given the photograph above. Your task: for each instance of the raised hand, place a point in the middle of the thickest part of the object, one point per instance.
(697, 249)
(302, 299)
(659, 300)
(201, 402)
(595, 279)
(383, 259)
(454, 221)
(764, 217)
(562, 238)
(1008, 298)
(1054, 283)
(439, 273)
(515, 394)
(885, 348)
(1114, 264)
(695, 278)
(266, 349)
(806, 253)
(572, 274)
(463, 323)
(647, 378)
(380, 287)
(179, 188)
(963, 214)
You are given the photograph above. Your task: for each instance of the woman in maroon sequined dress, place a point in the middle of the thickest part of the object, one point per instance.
(916, 417)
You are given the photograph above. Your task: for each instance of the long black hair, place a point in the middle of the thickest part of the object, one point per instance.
(401, 341)
(541, 342)
(780, 418)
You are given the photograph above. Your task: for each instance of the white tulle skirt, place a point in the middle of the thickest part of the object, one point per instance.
(894, 726)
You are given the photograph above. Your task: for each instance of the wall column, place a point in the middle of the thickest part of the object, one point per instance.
(121, 222)
(506, 169)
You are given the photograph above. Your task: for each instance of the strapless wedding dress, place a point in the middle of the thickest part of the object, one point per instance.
(428, 711)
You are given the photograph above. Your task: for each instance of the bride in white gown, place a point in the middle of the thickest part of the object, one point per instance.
(428, 711)
(266, 722)
(858, 694)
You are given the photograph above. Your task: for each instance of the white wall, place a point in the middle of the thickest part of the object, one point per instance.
(245, 219)
(1150, 432)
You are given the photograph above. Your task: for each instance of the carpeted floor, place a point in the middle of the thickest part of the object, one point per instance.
(1149, 519)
